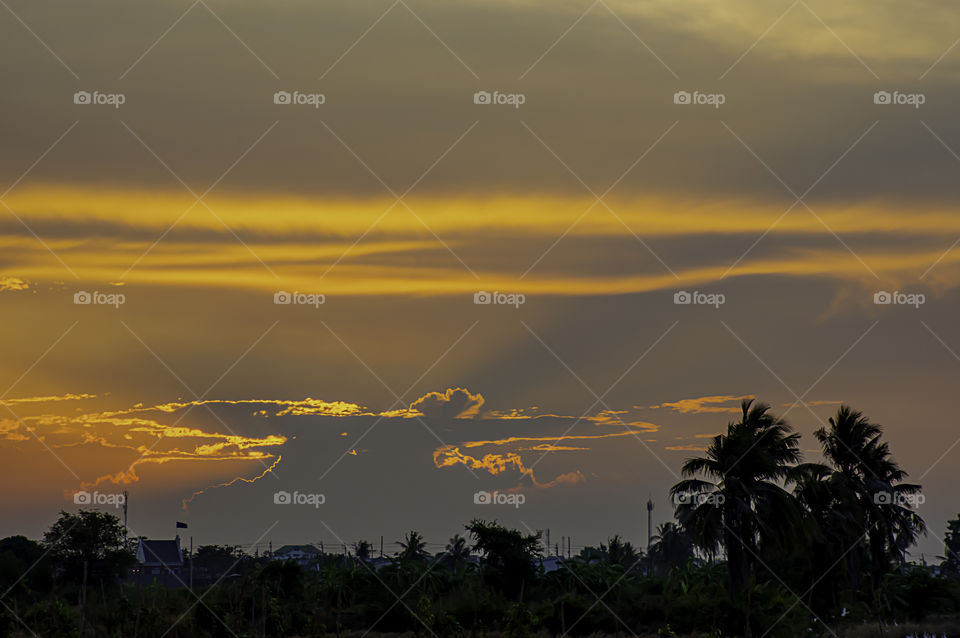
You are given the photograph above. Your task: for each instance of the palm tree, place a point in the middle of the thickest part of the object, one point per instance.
(831, 526)
(620, 552)
(893, 525)
(847, 438)
(740, 504)
(672, 547)
(362, 550)
(457, 552)
(844, 444)
(870, 482)
(413, 547)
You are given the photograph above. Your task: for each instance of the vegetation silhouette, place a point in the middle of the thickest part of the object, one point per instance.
(764, 544)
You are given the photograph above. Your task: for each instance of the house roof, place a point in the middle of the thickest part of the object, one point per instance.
(551, 563)
(159, 552)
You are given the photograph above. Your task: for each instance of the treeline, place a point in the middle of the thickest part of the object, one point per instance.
(764, 544)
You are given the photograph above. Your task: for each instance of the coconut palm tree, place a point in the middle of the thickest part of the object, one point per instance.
(672, 547)
(362, 550)
(413, 547)
(832, 523)
(457, 552)
(845, 441)
(844, 444)
(740, 505)
(621, 552)
(869, 482)
(893, 525)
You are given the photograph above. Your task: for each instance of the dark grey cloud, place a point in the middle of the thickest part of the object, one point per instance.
(599, 99)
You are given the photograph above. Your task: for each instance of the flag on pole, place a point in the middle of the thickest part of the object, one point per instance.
(181, 525)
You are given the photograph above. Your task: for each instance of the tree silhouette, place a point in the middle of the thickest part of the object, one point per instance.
(620, 552)
(508, 555)
(91, 537)
(362, 550)
(869, 483)
(672, 547)
(412, 548)
(740, 505)
(951, 550)
(457, 552)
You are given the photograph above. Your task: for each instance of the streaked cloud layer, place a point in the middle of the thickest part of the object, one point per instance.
(492, 189)
(400, 198)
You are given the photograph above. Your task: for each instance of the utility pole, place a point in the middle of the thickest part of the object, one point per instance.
(191, 562)
(381, 546)
(649, 523)
(548, 540)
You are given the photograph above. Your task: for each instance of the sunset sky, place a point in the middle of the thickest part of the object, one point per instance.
(181, 205)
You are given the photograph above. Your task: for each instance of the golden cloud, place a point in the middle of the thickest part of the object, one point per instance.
(454, 403)
(705, 404)
(48, 399)
(8, 284)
